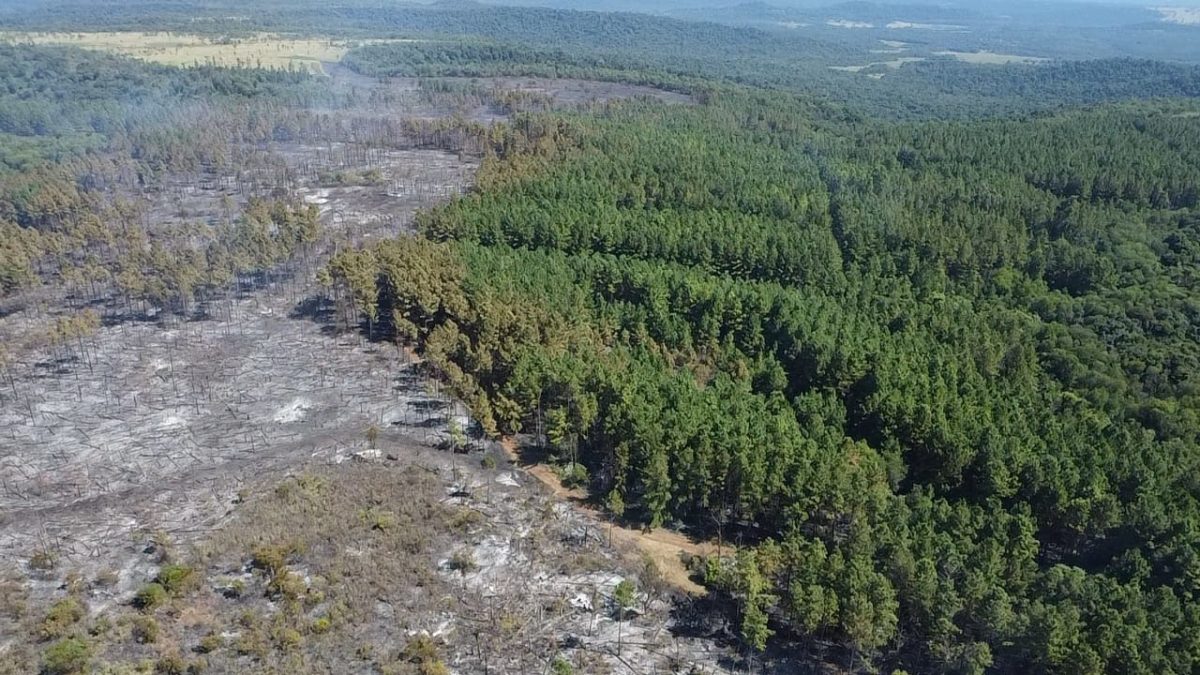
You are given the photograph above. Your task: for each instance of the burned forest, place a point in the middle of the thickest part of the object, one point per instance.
(388, 338)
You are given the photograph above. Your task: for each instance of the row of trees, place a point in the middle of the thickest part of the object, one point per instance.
(911, 369)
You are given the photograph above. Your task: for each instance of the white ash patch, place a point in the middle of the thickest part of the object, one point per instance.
(169, 422)
(293, 411)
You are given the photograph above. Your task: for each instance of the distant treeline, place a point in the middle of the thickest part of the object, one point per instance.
(642, 48)
(938, 88)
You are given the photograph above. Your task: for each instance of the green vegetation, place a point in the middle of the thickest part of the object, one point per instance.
(56, 103)
(61, 618)
(150, 597)
(941, 372)
(64, 657)
(144, 630)
(938, 88)
(176, 579)
(924, 347)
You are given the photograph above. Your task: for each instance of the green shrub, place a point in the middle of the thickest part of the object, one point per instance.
(60, 618)
(145, 630)
(288, 639)
(100, 627)
(252, 643)
(561, 667)
(377, 519)
(287, 586)
(176, 579)
(464, 519)
(150, 597)
(433, 668)
(419, 649)
(210, 643)
(573, 475)
(271, 559)
(66, 656)
(171, 664)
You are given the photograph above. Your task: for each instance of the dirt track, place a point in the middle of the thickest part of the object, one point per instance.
(665, 547)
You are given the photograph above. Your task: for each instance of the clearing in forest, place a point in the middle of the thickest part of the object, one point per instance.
(262, 50)
(992, 58)
(894, 64)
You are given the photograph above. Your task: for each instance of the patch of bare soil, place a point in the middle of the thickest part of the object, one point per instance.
(666, 548)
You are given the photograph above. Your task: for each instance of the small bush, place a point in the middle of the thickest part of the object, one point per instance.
(174, 664)
(561, 667)
(377, 519)
(210, 643)
(43, 561)
(464, 519)
(321, 625)
(423, 651)
(421, 648)
(73, 583)
(463, 562)
(150, 597)
(66, 656)
(176, 579)
(163, 547)
(287, 586)
(232, 588)
(60, 618)
(574, 475)
(14, 600)
(252, 643)
(145, 630)
(101, 627)
(433, 668)
(171, 664)
(311, 484)
(288, 639)
(509, 624)
(107, 578)
(272, 559)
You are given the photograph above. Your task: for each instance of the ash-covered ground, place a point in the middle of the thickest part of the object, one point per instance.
(172, 440)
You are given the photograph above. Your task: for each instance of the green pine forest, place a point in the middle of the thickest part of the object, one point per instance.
(937, 381)
(921, 353)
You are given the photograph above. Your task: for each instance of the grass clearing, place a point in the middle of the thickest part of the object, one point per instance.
(984, 57)
(894, 64)
(263, 50)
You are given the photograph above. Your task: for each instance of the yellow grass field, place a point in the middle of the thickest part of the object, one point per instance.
(177, 49)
